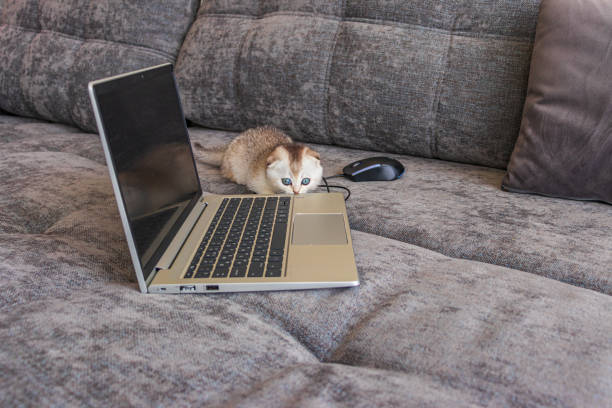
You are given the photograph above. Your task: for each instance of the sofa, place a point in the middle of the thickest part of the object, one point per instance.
(469, 295)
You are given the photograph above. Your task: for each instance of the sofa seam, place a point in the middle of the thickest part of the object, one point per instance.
(193, 18)
(472, 258)
(326, 83)
(374, 21)
(93, 40)
(71, 88)
(22, 74)
(435, 109)
(236, 82)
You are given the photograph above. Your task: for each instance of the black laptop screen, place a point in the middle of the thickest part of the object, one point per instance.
(147, 137)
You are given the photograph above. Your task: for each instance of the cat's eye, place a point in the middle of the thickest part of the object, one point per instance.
(286, 181)
(305, 181)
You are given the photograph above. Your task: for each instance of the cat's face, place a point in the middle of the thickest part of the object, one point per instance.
(294, 170)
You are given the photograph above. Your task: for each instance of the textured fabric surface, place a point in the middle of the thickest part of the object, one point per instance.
(435, 79)
(565, 144)
(423, 329)
(51, 49)
(460, 211)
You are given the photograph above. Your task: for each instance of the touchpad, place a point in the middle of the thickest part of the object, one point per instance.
(319, 229)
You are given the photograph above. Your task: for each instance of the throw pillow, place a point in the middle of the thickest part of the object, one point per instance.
(564, 148)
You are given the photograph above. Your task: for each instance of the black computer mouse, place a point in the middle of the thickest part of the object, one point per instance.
(374, 169)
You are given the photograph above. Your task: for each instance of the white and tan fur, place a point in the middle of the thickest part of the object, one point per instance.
(261, 157)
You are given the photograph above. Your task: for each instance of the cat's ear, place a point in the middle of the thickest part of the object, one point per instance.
(312, 153)
(274, 156)
(271, 160)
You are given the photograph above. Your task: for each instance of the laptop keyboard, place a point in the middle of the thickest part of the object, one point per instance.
(246, 238)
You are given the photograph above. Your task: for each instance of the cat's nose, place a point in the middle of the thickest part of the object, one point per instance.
(296, 191)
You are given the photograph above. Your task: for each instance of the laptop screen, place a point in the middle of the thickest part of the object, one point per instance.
(147, 137)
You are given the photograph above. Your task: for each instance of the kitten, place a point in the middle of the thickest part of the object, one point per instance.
(267, 161)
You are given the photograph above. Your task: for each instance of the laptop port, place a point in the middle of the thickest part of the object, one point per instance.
(187, 288)
(212, 287)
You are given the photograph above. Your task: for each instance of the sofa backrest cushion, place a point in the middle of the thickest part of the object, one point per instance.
(442, 79)
(51, 49)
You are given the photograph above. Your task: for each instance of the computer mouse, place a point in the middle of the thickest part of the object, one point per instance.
(374, 169)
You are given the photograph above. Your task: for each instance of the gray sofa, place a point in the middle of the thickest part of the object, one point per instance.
(469, 296)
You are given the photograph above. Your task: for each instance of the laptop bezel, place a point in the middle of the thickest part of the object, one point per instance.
(150, 266)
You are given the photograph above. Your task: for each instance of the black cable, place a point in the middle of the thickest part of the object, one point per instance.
(327, 186)
(344, 188)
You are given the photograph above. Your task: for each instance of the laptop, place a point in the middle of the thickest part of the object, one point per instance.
(184, 241)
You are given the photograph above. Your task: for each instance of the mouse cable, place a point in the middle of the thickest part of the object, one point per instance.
(334, 176)
(327, 186)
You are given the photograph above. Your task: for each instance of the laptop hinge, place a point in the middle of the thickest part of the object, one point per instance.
(166, 260)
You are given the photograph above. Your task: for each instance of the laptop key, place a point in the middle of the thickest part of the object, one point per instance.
(190, 271)
(221, 271)
(203, 271)
(278, 239)
(256, 270)
(274, 271)
(207, 263)
(238, 271)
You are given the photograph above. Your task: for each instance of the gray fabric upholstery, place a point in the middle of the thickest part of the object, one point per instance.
(565, 144)
(423, 329)
(51, 49)
(332, 73)
(460, 211)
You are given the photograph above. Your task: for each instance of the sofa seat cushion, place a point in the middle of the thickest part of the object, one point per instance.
(459, 210)
(57, 218)
(51, 49)
(48, 172)
(422, 328)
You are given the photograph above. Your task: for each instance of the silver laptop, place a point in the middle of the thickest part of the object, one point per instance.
(182, 241)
